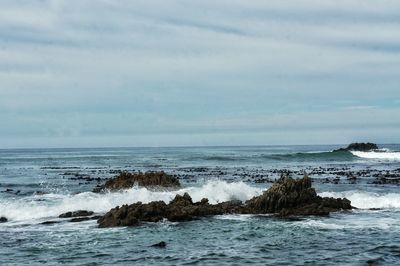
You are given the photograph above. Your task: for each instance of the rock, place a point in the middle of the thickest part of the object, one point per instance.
(50, 222)
(79, 213)
(180, 209)
(286, 197)
(3, 220)
(149, 179)
(83, 219)
(360, 147)
(162, 244)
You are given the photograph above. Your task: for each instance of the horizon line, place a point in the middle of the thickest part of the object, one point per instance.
(182, 146)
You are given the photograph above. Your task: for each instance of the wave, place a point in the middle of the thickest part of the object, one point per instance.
(380, 155)
(52, 205)
(367, 200)
(49, 206)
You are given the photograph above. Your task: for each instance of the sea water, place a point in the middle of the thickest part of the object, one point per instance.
(37, 185)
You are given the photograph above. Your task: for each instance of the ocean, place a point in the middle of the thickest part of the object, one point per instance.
(37, 185)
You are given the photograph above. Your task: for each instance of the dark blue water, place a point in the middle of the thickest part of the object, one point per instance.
(38, 185)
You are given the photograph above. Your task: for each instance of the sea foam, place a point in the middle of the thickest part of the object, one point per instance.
(380, 155)
(51, 205)
(367, 200)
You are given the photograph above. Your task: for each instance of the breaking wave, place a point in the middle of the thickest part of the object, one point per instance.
(52, 205)
(367, 200)
(380, 155)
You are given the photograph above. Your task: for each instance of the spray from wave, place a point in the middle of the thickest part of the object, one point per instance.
(52, 205)
(367, 200)
(380, 155)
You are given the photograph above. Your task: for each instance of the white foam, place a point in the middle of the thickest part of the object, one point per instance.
(52, 205)
(387, 155)
(367, 200)
(362, 222)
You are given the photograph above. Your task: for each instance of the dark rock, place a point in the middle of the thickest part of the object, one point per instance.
(360, 147)
(180, 209)
(3, 220)
(82, 219)
(79, 213)
(162, 244)
(50, 222)
(127, 180)
(286, 197)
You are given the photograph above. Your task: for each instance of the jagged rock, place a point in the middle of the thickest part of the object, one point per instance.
(360, 147)
(286, 197)
(180, 209)
(3, 220)
(79, 213)
(149, 179)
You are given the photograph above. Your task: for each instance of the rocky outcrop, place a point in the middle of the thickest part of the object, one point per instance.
(3, 220)
(149, 179)
(180, 209)
(286, 197)
(360, 147)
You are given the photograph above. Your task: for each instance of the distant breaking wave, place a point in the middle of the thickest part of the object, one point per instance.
(382, 155)
(340, 156)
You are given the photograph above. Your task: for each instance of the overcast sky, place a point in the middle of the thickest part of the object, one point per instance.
(167, 73)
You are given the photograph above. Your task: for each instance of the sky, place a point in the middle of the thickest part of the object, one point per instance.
(83, 73)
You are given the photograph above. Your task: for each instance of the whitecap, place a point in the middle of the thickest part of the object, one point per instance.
(383, 155)
(367, 200)
(51, 205)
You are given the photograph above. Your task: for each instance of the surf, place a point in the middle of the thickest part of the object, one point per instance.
(367, 200)
(379, 155)
(39, 207)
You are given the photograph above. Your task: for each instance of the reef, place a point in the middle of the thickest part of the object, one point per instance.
(286, 197)
(126, 180)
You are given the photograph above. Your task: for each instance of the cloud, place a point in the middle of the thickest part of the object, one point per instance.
(120, 68)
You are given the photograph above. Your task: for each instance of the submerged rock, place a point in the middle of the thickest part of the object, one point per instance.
(360, 147)
(3, 220)
(286, 197)
(79, 213)
(83, 219)
(162, 244)
(50, 222)
(148, 179)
